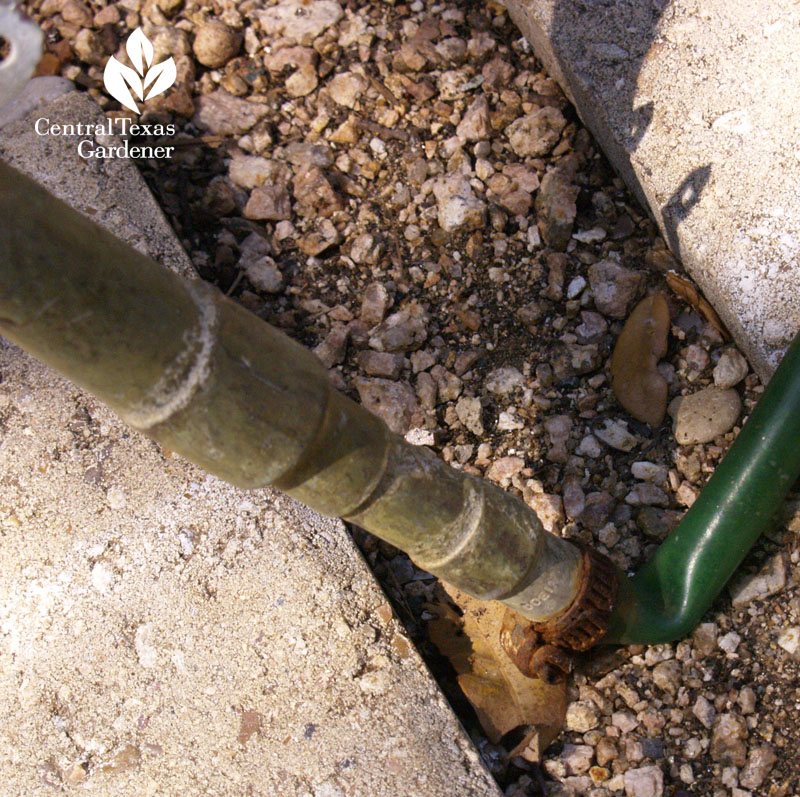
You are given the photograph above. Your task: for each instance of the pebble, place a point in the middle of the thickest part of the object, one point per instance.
(548, 508)
(556, 209)
(582, 716)
(346, 89)
(770, 580)
(747, 700)
(625, 721)
(577, 758)
(503, 380)
(459, 210)
(403, 331)
(215, 43)
(644, 782)
(704, 711)
(268, 203)
(77, 13)
(501, 470)
(394, 402)
(426, 390)
(730, 370)
(667, 676)
(366, 250)
(702, 416)
(468, 410)
(298, 21)
(315, 196)
(264, 275)
(380, 363)
(704, 638)
(302, 81)
(575, 288)
(220, 113)
(647, 494)
(558, 429)
(730, 642)
(374, 304)
(475, 124)
(656, 523)
(537, 133)
(606, 751)
(727, 745)
(449, 385)
(789, 639)
(614, 287)
(573, 497)
(759, 763)
(589, 447)
(599, 506)
(252, 171)
(616, 435)
(649, 472)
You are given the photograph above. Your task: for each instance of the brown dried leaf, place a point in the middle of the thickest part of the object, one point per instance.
(502, 696)
(689, 293)
(635, 379)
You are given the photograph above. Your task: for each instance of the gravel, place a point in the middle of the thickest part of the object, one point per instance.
(405, 190)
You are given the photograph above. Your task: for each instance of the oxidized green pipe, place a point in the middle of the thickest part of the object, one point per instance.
(182, 363)
(669, 595)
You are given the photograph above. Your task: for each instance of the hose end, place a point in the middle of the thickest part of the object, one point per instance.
(586, 621)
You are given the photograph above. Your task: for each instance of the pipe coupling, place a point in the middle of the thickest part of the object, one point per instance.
(586, 620)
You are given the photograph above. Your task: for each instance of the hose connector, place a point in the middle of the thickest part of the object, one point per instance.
(586, 620)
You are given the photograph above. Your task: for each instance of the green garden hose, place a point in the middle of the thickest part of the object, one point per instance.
(667, 598)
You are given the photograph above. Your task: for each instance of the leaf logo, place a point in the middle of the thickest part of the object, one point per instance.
(121, 80)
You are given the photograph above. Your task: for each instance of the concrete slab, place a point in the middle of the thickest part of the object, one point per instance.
(164, 633)
(695, 104)
(111, 192)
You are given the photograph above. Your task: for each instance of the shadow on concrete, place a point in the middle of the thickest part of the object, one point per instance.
(680, 204)
(597, 49)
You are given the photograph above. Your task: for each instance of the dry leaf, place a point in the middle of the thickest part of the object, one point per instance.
(635, 379)
(689, 293)
(502, 696)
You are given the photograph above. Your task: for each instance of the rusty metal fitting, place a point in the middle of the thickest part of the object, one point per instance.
(530, 655)
(585, 622)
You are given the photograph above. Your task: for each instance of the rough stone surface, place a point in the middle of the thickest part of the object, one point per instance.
(701, 149)
(730, 370)
(394, 402)
(644, 782)
(90, 186)
(770, 580)
(537, 133)
(223, 114)
(215, 43)
(701, 416)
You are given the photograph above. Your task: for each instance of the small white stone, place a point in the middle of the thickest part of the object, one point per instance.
(575, 288)
(789, 640)
(616, 435)
(420, 437)
(589, 447)
(590, 236)
(730, 642)
(730, 370)
(649, 472)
